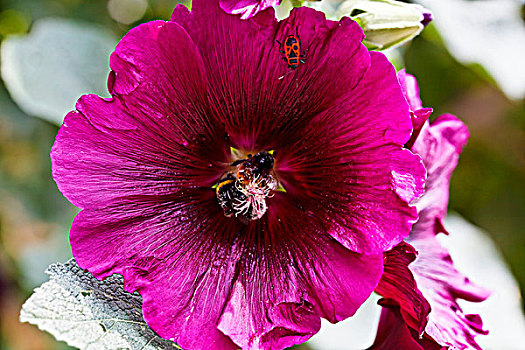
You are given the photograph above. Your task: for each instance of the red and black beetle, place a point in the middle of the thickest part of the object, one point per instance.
(292, 51)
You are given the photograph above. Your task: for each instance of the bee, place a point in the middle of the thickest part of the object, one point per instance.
(243, 191)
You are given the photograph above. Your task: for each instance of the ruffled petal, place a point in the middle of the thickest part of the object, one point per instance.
(439, 145)
(177, 251)
(247, 8)
(350, 167)
(291, 274)
(442, 285)
(244, 77)
(141, 141)
(398, 287)
(270, 326)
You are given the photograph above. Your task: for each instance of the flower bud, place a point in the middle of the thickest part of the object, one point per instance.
(386, 23)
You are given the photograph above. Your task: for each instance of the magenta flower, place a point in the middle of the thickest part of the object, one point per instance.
(431, 279)
(229, 250)
(247, 8)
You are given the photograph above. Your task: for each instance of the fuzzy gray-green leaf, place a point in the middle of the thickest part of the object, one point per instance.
(90, 314)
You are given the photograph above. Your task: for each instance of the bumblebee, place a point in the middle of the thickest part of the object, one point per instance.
(243, 191)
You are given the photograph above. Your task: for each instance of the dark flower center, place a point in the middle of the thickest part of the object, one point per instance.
(242, 191)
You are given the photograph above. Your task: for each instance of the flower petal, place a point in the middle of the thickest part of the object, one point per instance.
(292, 274)
(439, 145)
(418, 114)
(158, 55)
(177, 251)
(393, 333)
(105, 145)
(442, 285)
(398, 286)
(247, 8)
(271, 326)
(419, 118)
(410, 89)
(350, 167)
(244, 78)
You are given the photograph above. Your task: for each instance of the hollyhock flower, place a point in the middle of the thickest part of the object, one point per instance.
(406, 319)
(243, 203)
(247, 8)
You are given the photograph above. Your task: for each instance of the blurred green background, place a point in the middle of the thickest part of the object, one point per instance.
(488, 187)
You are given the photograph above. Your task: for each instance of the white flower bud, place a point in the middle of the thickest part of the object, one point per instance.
(386, 23)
